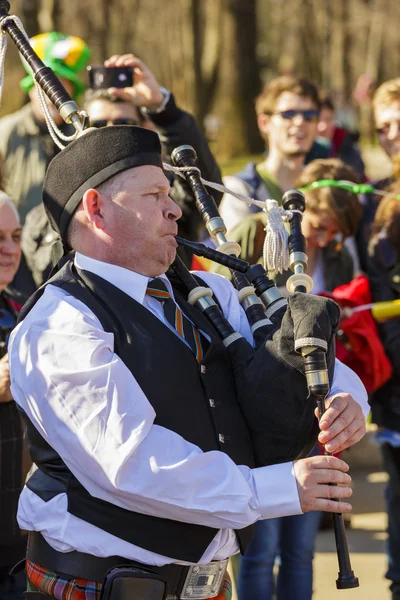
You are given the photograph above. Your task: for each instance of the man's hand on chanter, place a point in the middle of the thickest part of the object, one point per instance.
(342, 424)
(145, 90)
(313, 476)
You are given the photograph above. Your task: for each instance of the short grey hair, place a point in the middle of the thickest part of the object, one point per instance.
(5, 200)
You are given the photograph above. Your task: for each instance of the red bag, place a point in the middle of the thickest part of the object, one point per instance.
(358, 344)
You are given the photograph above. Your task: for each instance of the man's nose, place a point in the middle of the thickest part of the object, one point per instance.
(298, 119)
(394, 131)
(173, 211)
(9, 247)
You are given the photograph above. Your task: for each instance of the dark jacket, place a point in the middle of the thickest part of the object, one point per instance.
(369, 204)
(342, 146)
(175, 128)
(384, 276)
(14, 460)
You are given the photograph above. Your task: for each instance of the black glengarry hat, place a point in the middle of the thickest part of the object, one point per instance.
(90, 160)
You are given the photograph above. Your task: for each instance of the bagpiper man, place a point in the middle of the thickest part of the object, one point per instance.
(145, 483)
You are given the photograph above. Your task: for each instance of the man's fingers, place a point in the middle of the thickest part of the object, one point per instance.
(331, 476)
(335, 438)
(110, 62)
(337, 405)
(123, 94)
(117, 60)
(313, 476)
(356, 437)
(341, 422)
(332, 506)
(333, 491)
(327, 462)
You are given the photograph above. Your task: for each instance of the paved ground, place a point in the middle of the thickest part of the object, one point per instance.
(366, 541)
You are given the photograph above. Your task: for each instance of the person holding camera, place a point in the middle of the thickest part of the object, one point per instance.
(146, 104)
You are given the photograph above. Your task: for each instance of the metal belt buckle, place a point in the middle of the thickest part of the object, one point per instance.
(204, 581)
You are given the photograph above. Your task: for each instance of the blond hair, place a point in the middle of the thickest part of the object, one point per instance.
(387, 217)
(387, 93)
(343, 205)
(267, 99)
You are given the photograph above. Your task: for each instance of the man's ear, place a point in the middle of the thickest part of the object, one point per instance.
(93, 206)
(263, 124)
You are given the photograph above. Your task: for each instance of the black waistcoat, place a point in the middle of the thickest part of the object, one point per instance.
(197, 401)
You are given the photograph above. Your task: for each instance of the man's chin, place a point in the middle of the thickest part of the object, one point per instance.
(296, 153)
(170, 257)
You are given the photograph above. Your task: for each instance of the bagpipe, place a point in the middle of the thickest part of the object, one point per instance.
(287, 371)
(300, 341)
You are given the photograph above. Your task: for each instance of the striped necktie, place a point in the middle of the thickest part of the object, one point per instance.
(199, 344)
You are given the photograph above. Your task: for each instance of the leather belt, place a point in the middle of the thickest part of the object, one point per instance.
(80, 565)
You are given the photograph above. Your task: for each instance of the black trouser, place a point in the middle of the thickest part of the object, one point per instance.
(391, 459)
(11, 586)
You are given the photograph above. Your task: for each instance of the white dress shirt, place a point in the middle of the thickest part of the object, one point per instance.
(88, 406)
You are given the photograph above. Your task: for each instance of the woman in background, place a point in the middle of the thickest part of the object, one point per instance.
(329, 223)
(14, 462)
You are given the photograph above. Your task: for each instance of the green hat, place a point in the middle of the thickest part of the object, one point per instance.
(66, 55)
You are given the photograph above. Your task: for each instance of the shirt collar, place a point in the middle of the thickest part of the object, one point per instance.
(131, 283)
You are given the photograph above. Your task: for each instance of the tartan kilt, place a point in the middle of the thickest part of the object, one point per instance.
(60, 588)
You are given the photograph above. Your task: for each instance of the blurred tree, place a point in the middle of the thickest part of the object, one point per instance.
(49, 15)
(239, 80)
(211, 53)
(29, 15)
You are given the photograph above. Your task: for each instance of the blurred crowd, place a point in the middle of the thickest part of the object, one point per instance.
(352, 231)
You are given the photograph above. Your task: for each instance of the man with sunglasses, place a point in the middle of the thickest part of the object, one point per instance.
(147, 105)
(386, 106)
(287, 115)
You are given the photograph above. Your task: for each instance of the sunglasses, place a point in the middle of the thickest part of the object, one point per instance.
(311, 114)
(104, 122)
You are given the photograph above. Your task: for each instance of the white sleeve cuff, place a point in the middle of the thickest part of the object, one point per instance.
(276, 491)
(345, 380)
